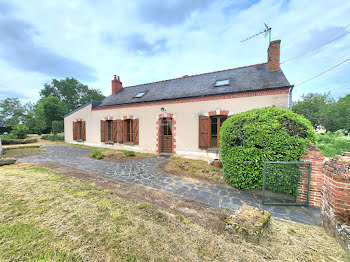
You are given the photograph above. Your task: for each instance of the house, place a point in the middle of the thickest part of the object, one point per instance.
(180, 116)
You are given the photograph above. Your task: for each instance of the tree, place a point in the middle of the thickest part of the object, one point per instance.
(317, 108)
(11, 111)
(341, 113)
(47, 110)
(71, 92)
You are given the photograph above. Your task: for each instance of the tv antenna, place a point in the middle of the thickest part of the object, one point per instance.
(266, 32)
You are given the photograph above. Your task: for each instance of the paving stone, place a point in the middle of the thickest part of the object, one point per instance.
(143, 172)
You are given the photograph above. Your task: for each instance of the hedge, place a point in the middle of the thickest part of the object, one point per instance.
(6, 141)
(53, 137)
(268, 134)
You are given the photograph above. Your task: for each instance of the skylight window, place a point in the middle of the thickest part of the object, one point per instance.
(225, 82)
(139, 95)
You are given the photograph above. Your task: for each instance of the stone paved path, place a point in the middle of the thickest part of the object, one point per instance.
(143, 172)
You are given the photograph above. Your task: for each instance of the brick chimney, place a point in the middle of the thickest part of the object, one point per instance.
(273, 56)
(116, 85)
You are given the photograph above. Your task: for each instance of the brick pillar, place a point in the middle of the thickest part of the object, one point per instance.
(316, 158)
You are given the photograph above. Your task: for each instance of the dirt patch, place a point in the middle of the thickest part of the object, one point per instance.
(120, 157)
(193, 169)
(201, 214)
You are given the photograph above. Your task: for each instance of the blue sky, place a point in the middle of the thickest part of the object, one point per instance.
(150, 40)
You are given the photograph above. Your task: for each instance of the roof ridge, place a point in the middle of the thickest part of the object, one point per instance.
(160, 81)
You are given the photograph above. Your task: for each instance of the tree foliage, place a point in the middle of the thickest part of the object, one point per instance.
(11, 111)
(71, 92)
(268, 134)
(49, 109)
(316, 107)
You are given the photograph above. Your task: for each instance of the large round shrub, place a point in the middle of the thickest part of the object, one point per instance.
(268, 134)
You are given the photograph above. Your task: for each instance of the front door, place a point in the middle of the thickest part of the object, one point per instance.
(166, 135)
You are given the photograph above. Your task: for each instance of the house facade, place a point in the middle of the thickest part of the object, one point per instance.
(180, 116)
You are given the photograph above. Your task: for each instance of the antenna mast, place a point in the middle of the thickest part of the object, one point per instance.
(267, 31)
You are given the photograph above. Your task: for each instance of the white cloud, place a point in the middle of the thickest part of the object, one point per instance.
(204, 38)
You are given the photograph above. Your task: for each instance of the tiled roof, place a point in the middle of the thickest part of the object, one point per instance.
(242, 79)
(94, 104)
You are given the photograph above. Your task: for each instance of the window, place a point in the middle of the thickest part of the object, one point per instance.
(215, 124)
(139, 95)
(79, 132)
(166, 123)
(225, 82)
(109, 130)
(129, 130)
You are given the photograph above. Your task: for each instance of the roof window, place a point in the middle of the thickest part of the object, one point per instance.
(225, 82)
(139, 95)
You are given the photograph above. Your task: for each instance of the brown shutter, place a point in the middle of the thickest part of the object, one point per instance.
(83, 130)
(74, 130)
(120, 134)
(204, 134)
(103, 131)
(135, 131)
(115, 131)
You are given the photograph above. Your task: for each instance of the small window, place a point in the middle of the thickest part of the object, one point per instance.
(139, 95)
(222, 82)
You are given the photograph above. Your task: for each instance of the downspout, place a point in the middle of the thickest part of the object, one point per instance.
(290, 97)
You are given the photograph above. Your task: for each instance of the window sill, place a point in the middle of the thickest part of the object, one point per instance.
(215, 150)
(129, 143)
(109, 143)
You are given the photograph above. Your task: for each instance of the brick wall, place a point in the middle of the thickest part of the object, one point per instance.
(335, 210)
(330, 191)
(316, 158)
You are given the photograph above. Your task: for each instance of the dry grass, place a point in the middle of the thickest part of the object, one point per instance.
(48, 217)
(22, 151)
(195, 169)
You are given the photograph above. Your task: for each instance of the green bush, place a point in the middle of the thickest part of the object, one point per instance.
(57, 126)
(10, 140)
(20, 131)
(53, 137)
(268, 134)
(96, 154)
(128, 152)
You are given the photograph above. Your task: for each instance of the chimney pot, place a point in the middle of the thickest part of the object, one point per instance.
(273, 56)
(116, 85)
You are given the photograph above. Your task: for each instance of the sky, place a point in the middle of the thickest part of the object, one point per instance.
(150, 40)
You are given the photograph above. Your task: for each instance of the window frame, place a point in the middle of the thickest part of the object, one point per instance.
(218, 127)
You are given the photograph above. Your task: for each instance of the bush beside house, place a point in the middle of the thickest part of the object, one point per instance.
(268, 134)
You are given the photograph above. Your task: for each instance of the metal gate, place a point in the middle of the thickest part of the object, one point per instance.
(286, 183)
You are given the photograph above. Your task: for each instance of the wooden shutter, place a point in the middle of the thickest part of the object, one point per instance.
(135, 131)
(115, 131)
(83, 130)
(103, 131)
(120, 131)
(204, 131)
(74, 130)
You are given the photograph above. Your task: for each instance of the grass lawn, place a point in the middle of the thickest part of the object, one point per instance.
(45, 216)
(332, 145)
(21, 151)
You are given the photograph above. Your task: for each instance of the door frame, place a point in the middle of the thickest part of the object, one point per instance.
(159, 141)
